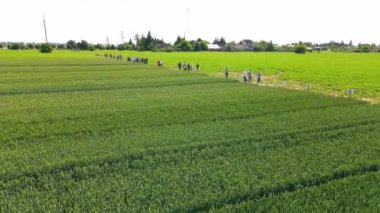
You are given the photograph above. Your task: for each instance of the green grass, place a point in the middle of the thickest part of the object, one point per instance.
(80, 133)
(327, 72)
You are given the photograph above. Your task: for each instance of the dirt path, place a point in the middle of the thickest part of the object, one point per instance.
(276, 81)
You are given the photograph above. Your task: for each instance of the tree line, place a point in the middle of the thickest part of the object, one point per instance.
(149, 43)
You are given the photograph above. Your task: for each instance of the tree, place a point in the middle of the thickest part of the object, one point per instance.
(364, 48)
(16, 46)
(148, 42)
(83, 45)
(140, 42)
(197, 46)
(260, 46)
(1, 46)
(61, 46)
(216, 41)
(71, 45)
(300, 49)
(184, 45)
(30, 46)
(121, 47)
(269, 47)
(46, 48)
(130, 45)
(204, 45)
(137, 39)
(179, 39)
(222, 42)
(230, 46)
(99, 47)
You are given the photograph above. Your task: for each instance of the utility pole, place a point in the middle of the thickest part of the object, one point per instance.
(187, 21)
(108, 41)
(46, 40)
(122, 37)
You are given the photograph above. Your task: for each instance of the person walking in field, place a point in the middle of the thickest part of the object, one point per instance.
(179, 66)
(245, 79)
(259, 77)
(198, 67)
(226, 72)
(250, 76)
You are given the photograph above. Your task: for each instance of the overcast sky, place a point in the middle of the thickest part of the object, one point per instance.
(282, 21)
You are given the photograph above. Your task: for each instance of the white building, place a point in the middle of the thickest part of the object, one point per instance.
(213, 46)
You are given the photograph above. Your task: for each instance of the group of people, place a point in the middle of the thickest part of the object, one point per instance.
(160, 63)
(110, 56)
(137, 60)
(188, 67)
(247, 76)
(120, 57)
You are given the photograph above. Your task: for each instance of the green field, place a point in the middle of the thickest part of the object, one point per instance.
(328, 73)
(80, 133)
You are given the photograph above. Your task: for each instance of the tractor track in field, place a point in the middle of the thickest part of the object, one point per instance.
(288, 139)
(90, 89)
(132, 127)
(169, 107)
(282, 188)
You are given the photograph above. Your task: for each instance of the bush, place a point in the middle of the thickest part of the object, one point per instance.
(46, 48)
(364, 48)
(16, 46)
(30, 46)
(61, 46)
(121, 47)
(300, 49)
(167, 49)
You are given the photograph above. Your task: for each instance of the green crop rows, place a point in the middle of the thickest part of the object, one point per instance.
(85, 134)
